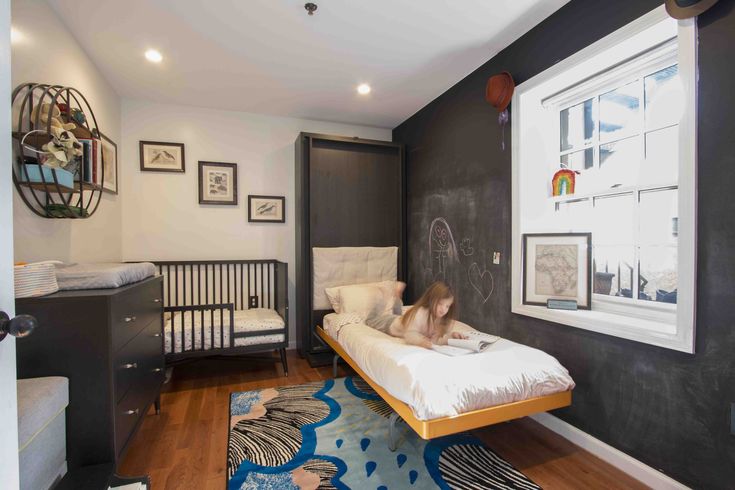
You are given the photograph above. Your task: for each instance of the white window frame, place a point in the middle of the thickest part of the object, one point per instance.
(661, 325)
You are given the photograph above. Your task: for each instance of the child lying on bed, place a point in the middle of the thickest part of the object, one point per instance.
(427, 322)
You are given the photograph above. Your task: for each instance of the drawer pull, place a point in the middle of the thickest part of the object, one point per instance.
(157, 370)
(157, 300)
(130, 365)
(132, 412)
(129, 319)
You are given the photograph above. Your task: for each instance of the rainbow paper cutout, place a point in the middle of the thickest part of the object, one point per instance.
(563, 182)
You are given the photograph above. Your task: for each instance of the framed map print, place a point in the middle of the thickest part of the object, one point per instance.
(557, 266)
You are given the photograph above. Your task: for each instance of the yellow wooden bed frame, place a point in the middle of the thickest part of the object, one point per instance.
(429, 429)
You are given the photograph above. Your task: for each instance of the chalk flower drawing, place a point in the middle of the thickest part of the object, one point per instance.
(466, 247)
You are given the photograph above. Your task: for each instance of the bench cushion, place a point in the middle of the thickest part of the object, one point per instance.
(39, 401)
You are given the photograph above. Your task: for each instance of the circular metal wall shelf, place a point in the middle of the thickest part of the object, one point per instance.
(49, 192)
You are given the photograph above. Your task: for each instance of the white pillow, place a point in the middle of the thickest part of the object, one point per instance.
(362, 298)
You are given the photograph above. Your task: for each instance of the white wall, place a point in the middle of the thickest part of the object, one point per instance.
(45, 51)
(162, 217)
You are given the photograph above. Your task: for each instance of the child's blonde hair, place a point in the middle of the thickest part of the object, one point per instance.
(429, 300)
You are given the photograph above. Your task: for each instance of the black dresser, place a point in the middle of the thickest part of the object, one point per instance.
(108, 343)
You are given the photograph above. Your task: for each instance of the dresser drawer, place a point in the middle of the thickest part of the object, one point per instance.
(139, 360)
(134, 310)
(144, 383)
(127, 413)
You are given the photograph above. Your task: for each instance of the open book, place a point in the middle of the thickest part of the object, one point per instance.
(475, 342)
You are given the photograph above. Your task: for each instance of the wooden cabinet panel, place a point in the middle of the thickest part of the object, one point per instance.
(350, 192)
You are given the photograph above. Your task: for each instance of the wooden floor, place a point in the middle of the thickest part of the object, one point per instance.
(185, 447)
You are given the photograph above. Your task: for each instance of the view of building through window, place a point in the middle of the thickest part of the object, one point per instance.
(623, 142)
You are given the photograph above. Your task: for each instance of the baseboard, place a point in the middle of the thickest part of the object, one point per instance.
(627, 464)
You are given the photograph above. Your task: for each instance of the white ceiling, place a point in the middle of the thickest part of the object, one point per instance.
(270, 57)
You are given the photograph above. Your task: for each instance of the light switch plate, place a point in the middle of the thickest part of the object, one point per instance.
(496, 258)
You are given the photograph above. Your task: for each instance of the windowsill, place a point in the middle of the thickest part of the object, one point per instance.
(641, 330)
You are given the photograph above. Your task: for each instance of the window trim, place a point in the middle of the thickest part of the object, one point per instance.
(679, 335)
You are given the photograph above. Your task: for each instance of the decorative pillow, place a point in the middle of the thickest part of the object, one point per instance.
(362, 298)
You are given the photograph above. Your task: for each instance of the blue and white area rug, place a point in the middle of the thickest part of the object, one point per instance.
(334, 435)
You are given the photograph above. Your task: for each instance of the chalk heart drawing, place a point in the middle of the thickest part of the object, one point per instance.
(483, 282)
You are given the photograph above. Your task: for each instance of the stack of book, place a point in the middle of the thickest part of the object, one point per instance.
(35, 279)
(91, 161)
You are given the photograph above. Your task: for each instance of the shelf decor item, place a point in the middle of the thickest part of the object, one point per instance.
(54, 167)
(266, 209)
(562, 184)
(217, 183)
(557, 266)
(158, 156)
(109, 159)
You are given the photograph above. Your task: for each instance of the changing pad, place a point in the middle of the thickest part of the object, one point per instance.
(102, 275)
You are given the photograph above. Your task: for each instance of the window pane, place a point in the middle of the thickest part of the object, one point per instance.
(613, 270)
(577, 126)
(619, 112)
(662, 157)
(659, 220)
(613, 220)
(658, 275)
(574, 216)
(579, 160)
(620, 163)
(664, 98)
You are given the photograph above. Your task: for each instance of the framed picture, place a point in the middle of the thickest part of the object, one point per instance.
(109, 162)
(157, 156)
(557, 266)
(266, 209)
(217, 183)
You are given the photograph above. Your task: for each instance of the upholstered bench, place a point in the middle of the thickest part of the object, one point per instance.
(42, 431)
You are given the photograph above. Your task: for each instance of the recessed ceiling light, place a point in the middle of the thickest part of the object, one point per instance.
(363, 89)
(153, 56)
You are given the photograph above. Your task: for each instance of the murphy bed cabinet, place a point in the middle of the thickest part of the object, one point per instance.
(350, 192)
(108, 343)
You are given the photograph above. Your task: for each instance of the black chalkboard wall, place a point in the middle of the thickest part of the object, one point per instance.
(665, 408)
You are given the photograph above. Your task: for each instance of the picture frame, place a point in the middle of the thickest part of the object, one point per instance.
(218, 183)
(108, 153)
(557, 266)
(266, 209)
(160, 156)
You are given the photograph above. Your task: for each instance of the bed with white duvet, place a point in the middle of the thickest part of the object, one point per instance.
(435, 385)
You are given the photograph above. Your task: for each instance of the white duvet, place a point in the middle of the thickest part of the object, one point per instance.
(435, 385)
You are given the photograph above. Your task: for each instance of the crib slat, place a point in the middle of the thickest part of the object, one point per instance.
(268, 290)
(227, 267)
(191, 295)
(201, 312)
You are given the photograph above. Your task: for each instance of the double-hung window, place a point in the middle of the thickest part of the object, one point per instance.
(621, 115)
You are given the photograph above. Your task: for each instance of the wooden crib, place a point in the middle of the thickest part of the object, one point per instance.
(224, 308)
